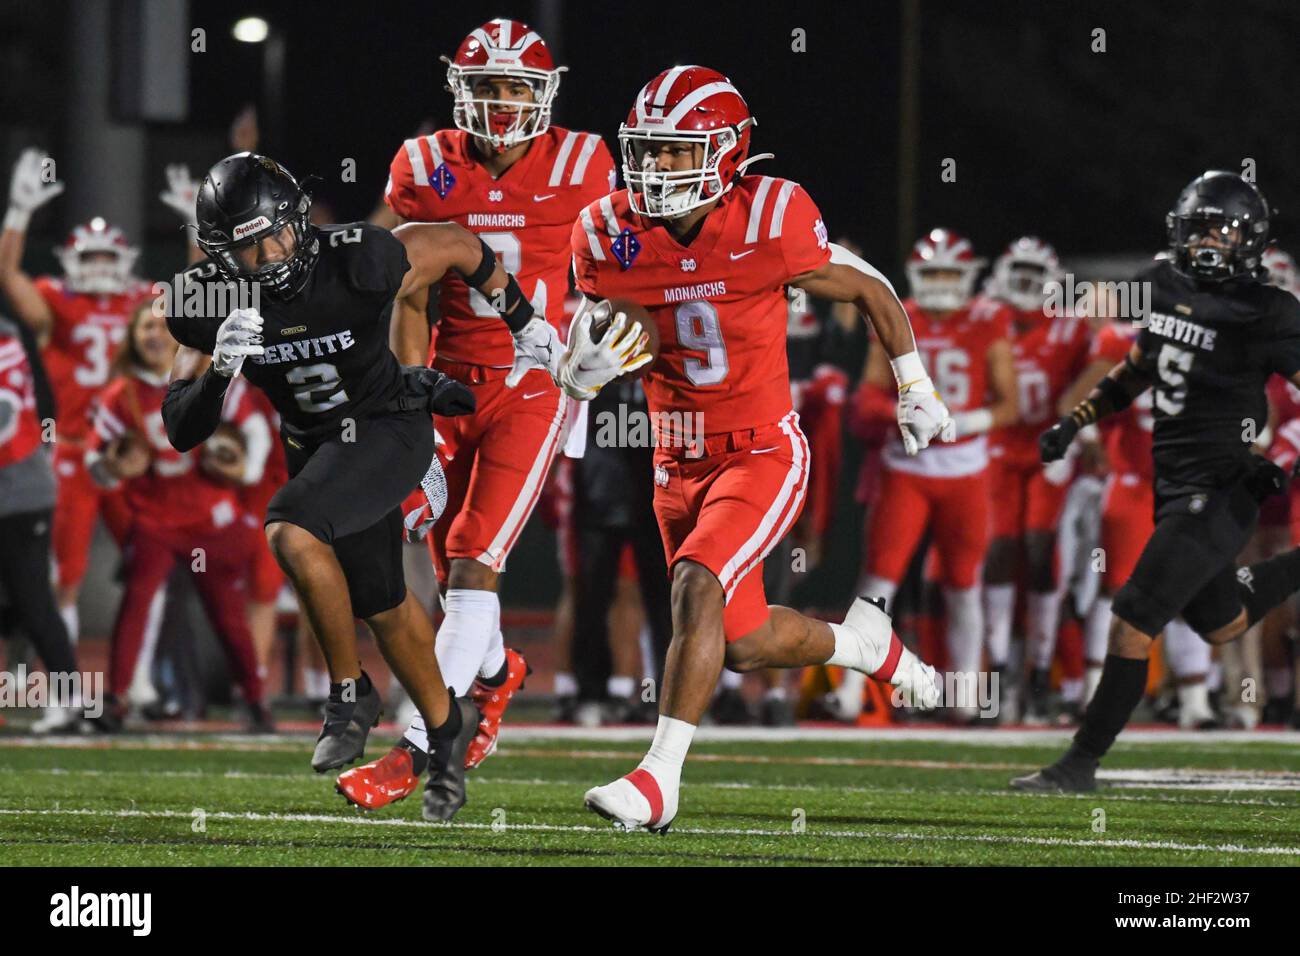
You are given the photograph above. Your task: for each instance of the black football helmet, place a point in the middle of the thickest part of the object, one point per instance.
(1221, 207)
(244, 199)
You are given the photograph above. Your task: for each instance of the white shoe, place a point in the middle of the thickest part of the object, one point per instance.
(58, 720)
(844, 703)
(916, 679)
(634, 802)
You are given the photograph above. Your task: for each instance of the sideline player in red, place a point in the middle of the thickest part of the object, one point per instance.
(708, 251)
(1050, 351)
(80, 320)
(967, 342)
(506, 174)
(180, 513)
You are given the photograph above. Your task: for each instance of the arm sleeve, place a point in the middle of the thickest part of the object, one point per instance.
(192, 409)
(798, 225)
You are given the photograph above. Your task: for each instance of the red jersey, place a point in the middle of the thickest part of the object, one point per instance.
(1050, 355)
(955, 350)
(174, 492)
(719, 304)
(1284, 397)
(1127, 436)
(88, 330)
(525, 216)
(20, 429)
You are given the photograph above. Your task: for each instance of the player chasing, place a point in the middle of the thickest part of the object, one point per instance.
(355, 426)
(519, 183)
(706, 250)
(1214, 335)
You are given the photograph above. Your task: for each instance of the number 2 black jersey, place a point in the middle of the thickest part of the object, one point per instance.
(1209, 350)
(325, 355)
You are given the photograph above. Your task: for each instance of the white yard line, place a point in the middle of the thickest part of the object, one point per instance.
(928, 837)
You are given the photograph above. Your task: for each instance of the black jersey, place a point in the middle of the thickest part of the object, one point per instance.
(1209, 350)
(325, 354)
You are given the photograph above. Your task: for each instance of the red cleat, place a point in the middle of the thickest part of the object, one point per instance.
(492, 703)
(380, 782)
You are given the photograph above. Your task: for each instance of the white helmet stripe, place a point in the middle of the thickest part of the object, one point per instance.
(593, 240)
(557, 171)
(693, 98)
(661, 94)
(418, 172)
(778, 210)
(584, 157)
(756, 210)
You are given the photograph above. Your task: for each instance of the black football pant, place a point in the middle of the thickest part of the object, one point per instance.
(25, 577)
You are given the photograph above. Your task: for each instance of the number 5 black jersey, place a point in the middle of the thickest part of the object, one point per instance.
(1209, 350)
(325, 355)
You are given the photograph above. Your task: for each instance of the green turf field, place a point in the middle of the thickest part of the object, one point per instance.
(230, 800)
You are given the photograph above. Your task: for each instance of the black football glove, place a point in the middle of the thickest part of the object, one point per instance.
(1265, 479)
(436, 393)
(1053, 443)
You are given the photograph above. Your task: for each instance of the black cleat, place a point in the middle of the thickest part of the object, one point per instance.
(730, 707)
(444, 791)
(347, 725)
(112, 717)
(777, 712)
(260, 719)
(1060, 777)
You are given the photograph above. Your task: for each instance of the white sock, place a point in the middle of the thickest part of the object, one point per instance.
(849, 652)
(1214, 679)
(462, 644)
(566, 685)
(873, 587)
(1194, 698)
(416, 732)
(965, 628)
(1096, 630)
(731, 680)
(1071, 689)
(620, 688)
(1187, 654)
(1044, 612)
(495, 658)
(999, 608)
(142, 678)
(776, 693)
(72, 621)
(315, 683)
(667, 751)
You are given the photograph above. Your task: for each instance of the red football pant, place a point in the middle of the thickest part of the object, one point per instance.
(728, 509)
(496, 461)
(955, 509)
(79, 501)
(1126, 524)
(1025, 500)
(150, 554)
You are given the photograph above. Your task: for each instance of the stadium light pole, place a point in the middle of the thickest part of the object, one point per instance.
(258, 31)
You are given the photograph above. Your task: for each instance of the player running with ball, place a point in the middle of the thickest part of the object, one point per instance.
(708, 250)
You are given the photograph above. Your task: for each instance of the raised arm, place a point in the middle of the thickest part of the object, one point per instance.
(30, 188)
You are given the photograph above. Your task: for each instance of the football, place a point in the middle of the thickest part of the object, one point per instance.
(634, 313)
(225, 446)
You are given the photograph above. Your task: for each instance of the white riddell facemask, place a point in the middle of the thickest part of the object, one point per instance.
(96, 259)
(935, 255)
(474, 114)
(1021, 274)
(670, 195)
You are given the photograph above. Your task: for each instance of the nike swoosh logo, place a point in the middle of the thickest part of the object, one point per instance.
(762, 451)
(529, 395)
(537, 198)
(741, 255)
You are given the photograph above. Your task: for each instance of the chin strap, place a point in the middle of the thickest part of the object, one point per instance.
(740, 170)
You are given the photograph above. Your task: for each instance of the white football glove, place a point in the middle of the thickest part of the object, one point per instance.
(1060, 472)
(28, 189)
(589, 366)
(239, 337)
(537, 345)
(181, 193)
(922, 416)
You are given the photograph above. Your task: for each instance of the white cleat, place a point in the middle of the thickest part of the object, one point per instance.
(634, 802)
(58, 720)
(917, 680)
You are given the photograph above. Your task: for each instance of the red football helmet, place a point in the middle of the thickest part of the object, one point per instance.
(684, 104)
(1281, 268)
(503, 48)
(96, 258)
(1021, 273)
(942, 270)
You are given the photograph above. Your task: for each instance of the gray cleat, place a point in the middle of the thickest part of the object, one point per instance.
(444, 791)
(1060, 777)
(347, 725)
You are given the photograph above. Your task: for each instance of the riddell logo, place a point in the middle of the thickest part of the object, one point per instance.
(243, 229)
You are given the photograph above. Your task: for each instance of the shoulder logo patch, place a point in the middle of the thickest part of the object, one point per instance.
(625, 248)
(442, 181)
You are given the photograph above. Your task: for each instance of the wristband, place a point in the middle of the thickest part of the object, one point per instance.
(908, 370)
(517, 310)
(18, 219)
